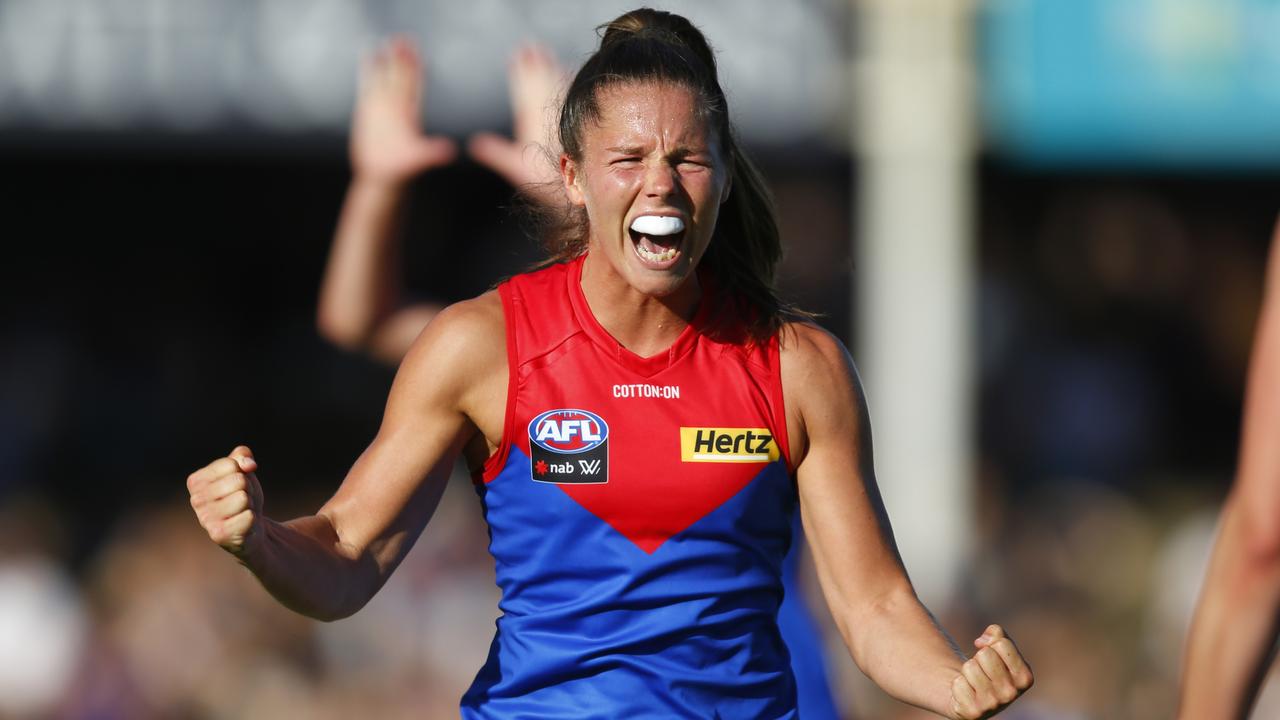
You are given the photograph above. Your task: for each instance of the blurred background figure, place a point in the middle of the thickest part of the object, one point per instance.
(1233, 635)
(44, 624)
(363, 305)
(1092, 185)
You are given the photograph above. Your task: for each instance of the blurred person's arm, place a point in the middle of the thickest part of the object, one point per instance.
(890, 634)
(449, 393)
(362, 305)
(361, 296)
(531, 160)
(1234, 628)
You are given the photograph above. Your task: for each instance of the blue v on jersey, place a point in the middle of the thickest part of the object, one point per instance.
(639, 511)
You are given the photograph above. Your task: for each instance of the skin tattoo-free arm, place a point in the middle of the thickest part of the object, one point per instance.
(890, 634)
(1235, 626)
(330, 564)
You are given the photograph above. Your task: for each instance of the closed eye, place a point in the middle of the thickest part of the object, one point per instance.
(699, 159)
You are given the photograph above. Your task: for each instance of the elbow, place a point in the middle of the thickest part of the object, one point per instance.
(1247, 550)
(329, 608)
(1259, 537)
(341, 331)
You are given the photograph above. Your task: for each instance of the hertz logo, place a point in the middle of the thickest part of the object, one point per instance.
(749, 445)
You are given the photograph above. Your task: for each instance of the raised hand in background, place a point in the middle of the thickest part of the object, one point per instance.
(362, 305)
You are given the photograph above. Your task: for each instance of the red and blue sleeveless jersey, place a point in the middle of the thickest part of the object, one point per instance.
(639, 511)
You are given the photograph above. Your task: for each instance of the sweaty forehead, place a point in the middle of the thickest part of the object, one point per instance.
(645, 113)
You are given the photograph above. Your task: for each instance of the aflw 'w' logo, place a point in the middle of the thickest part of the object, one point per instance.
(589, 467)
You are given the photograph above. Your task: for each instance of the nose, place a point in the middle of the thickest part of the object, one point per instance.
(660, 180)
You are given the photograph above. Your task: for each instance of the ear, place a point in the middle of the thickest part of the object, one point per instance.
(569, 175)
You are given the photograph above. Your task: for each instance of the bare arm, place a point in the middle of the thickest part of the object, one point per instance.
(1235, 624)
(890, 634)
(329, 564)
(361, 297)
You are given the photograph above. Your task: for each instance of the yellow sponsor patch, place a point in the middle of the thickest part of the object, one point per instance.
(750, 445)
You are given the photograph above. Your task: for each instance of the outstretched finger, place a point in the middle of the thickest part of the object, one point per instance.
(496, 153)
(535, 81)
(433, 151)
(532, 56)
(404, 68)
(372, 68)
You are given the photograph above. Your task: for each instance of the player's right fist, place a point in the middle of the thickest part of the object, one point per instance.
(227, 499)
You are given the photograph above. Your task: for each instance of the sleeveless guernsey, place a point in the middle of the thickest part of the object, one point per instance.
(639, 511)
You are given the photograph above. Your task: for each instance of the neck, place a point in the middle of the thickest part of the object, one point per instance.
(643, 324)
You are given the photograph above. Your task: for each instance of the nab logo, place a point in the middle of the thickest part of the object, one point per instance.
(569, 446)
(743, 445)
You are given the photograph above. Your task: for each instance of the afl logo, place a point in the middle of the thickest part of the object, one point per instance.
(568, 432)
(569, 446)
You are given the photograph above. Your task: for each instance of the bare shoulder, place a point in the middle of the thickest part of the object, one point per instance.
(806, 349)
(820, 386)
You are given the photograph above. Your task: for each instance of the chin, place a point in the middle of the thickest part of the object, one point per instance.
(660, 284)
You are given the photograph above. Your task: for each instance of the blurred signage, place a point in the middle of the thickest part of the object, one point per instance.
(1153, 83)
(178, 67)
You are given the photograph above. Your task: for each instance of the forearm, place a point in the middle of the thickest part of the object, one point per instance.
(898, 644)
(362, 284)
(1234, 628)
(306, 567)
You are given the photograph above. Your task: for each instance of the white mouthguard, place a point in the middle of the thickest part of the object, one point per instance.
(657, 225)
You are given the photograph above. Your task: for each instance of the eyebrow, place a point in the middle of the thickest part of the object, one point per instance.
(677, 152)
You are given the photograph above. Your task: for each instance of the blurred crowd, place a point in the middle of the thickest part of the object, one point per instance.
(1096, 584)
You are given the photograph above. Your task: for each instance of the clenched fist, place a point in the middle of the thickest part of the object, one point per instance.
(993, 678)
(228, 500)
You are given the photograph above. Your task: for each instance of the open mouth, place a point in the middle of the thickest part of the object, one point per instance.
(657, 239)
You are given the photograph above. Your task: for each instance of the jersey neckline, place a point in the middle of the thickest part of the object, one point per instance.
(644, 366)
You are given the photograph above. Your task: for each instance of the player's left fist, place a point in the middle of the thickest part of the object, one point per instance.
(993, 678)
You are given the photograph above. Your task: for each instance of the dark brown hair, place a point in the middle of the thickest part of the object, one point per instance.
(649, 45)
